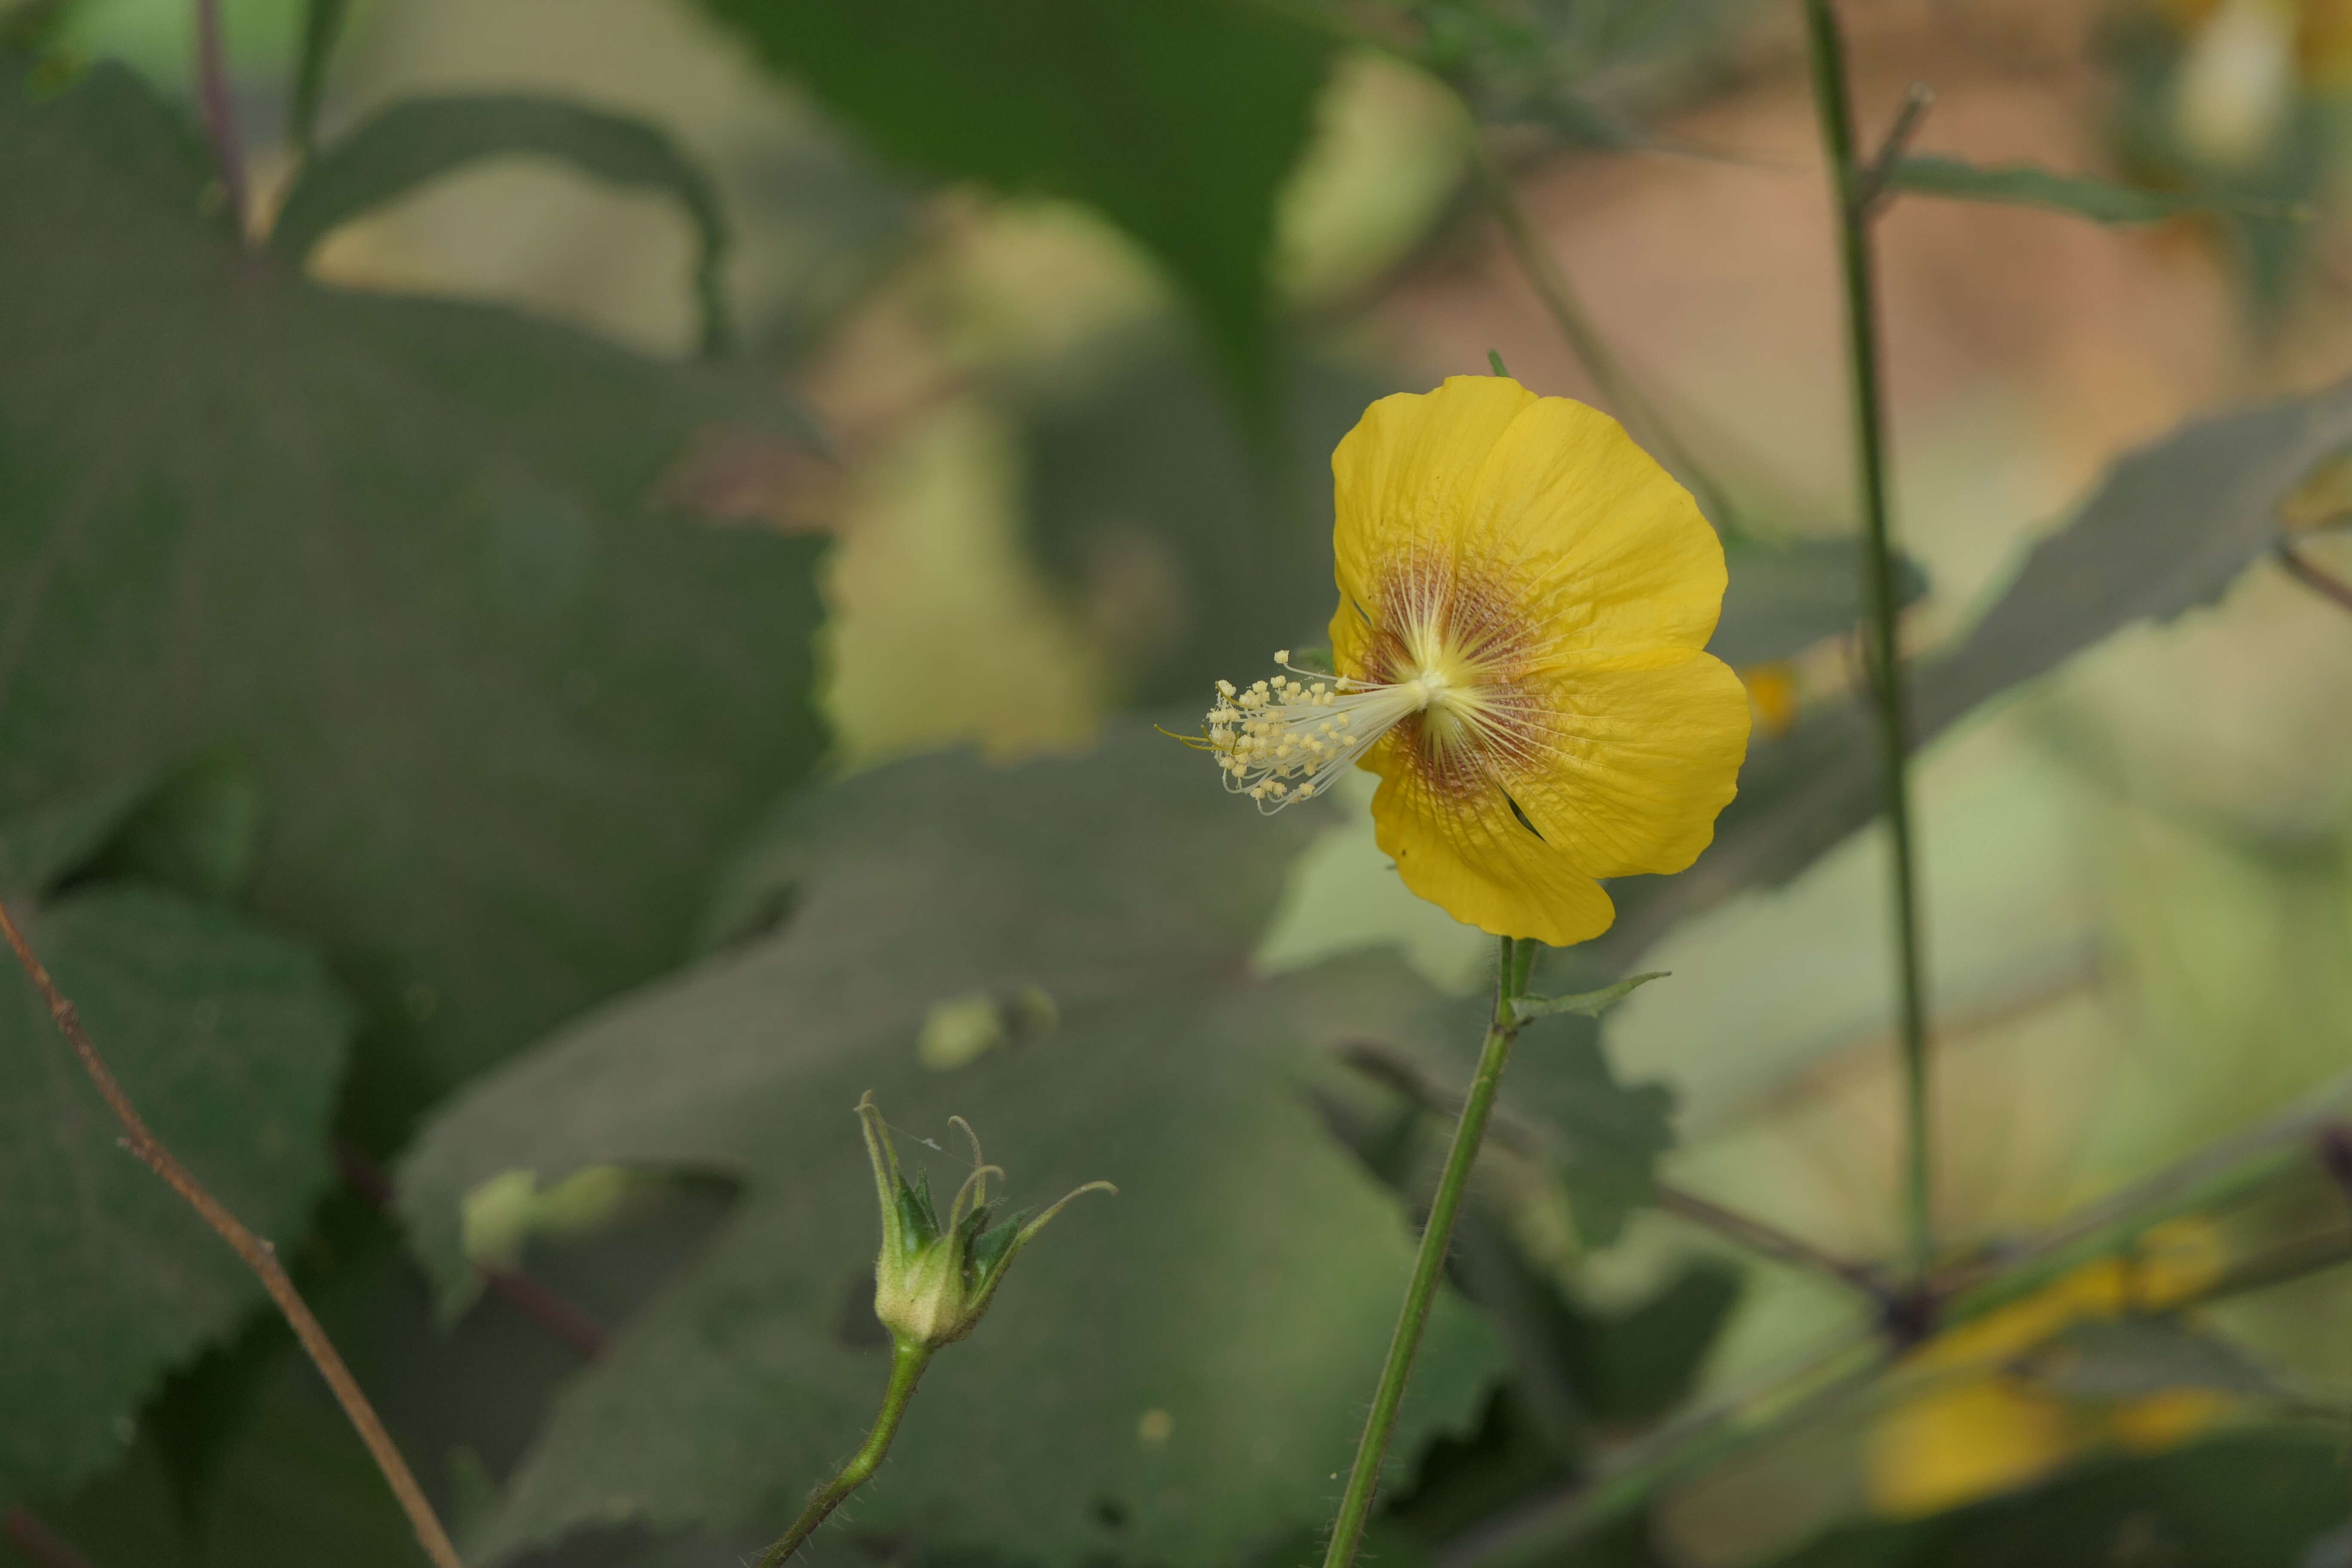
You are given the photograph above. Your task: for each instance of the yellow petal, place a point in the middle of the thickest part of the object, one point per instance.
(1404, 481)
(1639, 754)
(1540, 510)
(1607, 550)
(1476, 861)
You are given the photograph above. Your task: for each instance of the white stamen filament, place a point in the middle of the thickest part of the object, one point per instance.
(1286, 740)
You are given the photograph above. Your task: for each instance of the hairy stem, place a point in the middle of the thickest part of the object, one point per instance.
(1615, 384)
(258, 1254)
(219, 113)
(1880, 593)
(906, 1364)
(1512, 964)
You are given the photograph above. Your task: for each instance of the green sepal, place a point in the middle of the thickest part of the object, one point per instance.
(1588, 1003)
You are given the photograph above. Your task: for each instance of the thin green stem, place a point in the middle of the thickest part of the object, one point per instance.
(1615, 384)
(1830, 96)
(1513, 962)
(906, 1364)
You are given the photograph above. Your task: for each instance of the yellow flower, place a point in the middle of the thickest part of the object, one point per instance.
(1524, 598)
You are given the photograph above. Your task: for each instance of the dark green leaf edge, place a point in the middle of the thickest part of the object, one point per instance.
(419, 140)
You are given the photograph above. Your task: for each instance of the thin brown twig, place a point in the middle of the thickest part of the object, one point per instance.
(2312, 576)
(1763, 1237)
(560, 1318)
(219, 110)
(258, 1254)
(33, 1539)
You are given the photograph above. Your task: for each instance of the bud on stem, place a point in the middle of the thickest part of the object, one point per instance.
(931, 1284)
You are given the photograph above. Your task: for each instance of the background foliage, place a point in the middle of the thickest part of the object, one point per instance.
(625, 606)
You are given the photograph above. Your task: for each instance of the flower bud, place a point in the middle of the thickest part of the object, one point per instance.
(933, 1280)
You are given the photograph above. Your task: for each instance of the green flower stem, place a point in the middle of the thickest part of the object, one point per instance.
(1513, 964)
(1853, 200)
(906, 1364)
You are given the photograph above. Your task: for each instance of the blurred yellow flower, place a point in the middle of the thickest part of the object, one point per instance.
(1975, 1429)
(1772, 692)
(2242, 63)
(1525, 600)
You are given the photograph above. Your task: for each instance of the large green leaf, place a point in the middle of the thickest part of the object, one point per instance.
(2171, 526)
(232, 1042)
(1243, 1283)
(1178, 120)
(402, 556)
(2257, 1499)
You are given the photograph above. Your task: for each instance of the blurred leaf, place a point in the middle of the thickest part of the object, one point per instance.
(2170, 527)
(1600, 1137)
(1189, 565)
(2129, 1358)
(2270, 190)
(297, 1488)
(210, 1483)
(1784, 599)
(198, 831)
(1178, 120)
(1645, 1362)
(287, 1485)
(1577, 68)
(1464, 1481)
(2254, 1499)
(1577, 1367)
(48, 844)
(231, 1041)
(322, 28)
(1603, 1137)
(2022, 185)
(399, 554)
(1243, 1284)
(419, 140)
(835, 225)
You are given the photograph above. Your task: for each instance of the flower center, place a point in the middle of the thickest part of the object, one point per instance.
(1287, 738)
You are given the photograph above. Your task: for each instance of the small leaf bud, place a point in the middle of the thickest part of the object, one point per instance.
(933, 1279)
